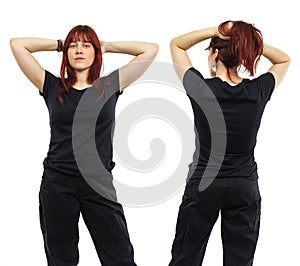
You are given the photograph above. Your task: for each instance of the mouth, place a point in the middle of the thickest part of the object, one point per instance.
(79, 58)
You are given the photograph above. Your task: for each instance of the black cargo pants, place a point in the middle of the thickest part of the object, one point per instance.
(238, 200)
(62, 200)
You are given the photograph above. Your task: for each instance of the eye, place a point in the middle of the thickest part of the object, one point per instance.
(87, 45)
(72, 45)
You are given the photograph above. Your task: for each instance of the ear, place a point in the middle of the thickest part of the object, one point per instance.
(215, 54)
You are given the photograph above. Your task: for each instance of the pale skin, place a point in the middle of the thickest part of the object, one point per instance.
(179, 46)
(81, 56)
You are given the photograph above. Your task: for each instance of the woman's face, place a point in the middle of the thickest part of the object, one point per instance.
(81, 55)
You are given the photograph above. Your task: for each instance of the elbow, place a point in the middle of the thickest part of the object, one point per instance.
(176, 42)
(12, 42)
(173, 43)
(288, 60)
(153, 50)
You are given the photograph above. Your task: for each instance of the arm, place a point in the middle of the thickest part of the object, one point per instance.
(22, 49)
(144, 55)
(280, 61)
(180, 44)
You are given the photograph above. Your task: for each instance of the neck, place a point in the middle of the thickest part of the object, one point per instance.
(81, 82)
(230, 75)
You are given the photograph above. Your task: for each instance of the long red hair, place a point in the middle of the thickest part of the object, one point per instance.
(67, 73)
(244, 47)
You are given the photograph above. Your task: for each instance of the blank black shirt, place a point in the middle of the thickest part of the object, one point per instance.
(104, 93)
(242, 107)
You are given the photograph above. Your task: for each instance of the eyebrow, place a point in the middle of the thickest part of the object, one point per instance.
(74, 40)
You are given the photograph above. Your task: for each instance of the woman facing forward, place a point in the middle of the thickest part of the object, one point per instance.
(233, 191)
(64, 192)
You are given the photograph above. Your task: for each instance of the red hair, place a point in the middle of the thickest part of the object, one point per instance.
(67, 73)
(244, 47)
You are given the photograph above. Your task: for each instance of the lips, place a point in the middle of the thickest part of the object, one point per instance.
(79, 58)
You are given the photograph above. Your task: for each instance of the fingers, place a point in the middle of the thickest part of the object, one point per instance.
(224, 29)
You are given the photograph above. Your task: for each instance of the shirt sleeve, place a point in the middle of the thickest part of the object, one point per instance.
(266, 85)
(191, 76)
(194, 83)
(50, 85)
(114, 81)
(108, 84)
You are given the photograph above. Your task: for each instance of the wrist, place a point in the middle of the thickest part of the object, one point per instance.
(214, 31)
(59, 45)
(104, 47)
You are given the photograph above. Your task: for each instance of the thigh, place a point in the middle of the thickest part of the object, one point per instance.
(59, 215)
(240, 222)
(107, 225)
(197, 215)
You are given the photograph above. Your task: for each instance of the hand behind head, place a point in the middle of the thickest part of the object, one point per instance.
(224, 29)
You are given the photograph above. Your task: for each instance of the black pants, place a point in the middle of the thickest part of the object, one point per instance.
(62, 199)
(238, 200)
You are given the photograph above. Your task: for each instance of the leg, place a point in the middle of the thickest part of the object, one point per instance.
(106, 223)
(198, 213)
(59, 214)
(240, 223)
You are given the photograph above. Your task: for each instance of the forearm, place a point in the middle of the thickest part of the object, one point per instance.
(189, 39)
(280, 62)
(33, 45)
(143, 52)
(128, 47)
(274, 55)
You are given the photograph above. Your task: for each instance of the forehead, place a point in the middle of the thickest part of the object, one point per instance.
(80, 37)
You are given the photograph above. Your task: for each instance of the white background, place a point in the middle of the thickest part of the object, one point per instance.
(25, 129)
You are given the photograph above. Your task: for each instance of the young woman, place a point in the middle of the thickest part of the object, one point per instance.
(64, 192)
(234, 190)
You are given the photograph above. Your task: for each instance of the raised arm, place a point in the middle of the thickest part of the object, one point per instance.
(180, 44)
(143, 52)
(22, 49)
(280, 61)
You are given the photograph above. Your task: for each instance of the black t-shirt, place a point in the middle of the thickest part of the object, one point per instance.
(242, 107)
(104, 93)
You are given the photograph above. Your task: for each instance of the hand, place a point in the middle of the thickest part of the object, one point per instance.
(224, 30)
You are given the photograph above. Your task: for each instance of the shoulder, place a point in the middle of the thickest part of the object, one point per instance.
(267, 77)
(192, 77)
(109, 83)
(51, 83)
(192, 73)
(111, 79)
(51, 79)
(264, 83)
(196, 85)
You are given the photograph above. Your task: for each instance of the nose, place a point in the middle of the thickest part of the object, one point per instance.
(78, 49)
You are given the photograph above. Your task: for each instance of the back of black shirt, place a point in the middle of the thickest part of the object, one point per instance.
(242, 107)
